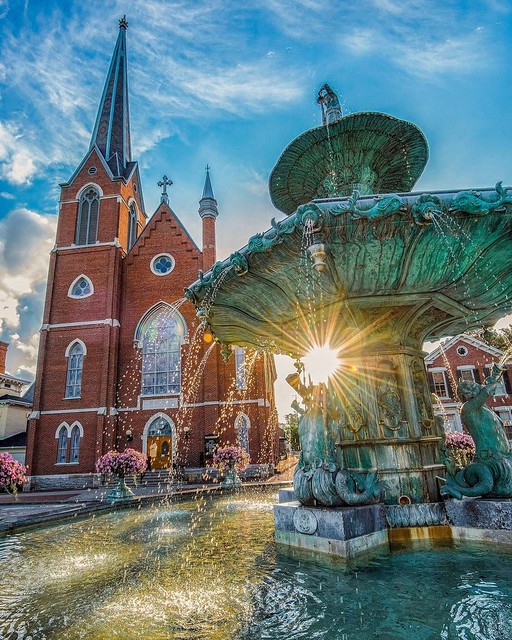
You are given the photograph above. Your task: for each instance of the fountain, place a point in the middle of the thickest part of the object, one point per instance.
(369, 268)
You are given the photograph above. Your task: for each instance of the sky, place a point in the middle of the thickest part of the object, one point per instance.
(231, 84)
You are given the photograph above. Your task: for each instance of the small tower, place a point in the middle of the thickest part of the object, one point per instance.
(208, 211)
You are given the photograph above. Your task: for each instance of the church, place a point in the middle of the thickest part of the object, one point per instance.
(123, 360)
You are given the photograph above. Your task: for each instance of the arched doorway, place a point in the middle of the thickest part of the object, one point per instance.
(160, 441)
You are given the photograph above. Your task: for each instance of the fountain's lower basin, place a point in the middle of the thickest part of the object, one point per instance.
(209, 568)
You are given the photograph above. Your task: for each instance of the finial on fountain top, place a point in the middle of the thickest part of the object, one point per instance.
(330, 105)
(123, 23)
(164, 182)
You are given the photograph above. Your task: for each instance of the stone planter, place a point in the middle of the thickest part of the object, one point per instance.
(121, 493)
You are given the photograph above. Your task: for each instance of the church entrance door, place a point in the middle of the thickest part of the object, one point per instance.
(160, 451)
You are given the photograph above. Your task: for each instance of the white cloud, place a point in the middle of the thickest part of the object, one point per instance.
(16, 158)
(26, 238)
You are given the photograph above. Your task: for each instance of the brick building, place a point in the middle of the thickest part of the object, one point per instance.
(15, 405)
(466, 357)
(121, 359)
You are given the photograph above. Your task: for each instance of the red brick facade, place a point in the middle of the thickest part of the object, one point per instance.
(466, 356)
(125, 289)
(94, 348)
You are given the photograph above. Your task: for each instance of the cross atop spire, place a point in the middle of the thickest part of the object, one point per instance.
(164, 182)
(207, 190)
(111, 132)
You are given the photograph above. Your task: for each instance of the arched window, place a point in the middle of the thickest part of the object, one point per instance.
(161, 334)
(62, 445)
(241, 381)
(75, 355)
(242, 425)
(160, 427)
(88, 214)
(81, 287)
(132, 226)
(75, 444)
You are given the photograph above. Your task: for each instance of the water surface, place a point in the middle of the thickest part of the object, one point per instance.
(209, 569)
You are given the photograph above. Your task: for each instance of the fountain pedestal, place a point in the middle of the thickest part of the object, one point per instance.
(345, 531)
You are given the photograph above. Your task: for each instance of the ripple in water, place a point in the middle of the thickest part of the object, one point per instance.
(210, 570)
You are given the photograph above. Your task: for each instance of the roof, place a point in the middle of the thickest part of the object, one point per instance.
(464, 337)
(9, 398)
(17, 440)
(207, 190)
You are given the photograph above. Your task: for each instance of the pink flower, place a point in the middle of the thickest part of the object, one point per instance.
(127, 462)
(12, 473)
(231, 456)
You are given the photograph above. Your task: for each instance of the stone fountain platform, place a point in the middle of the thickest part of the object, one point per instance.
(347, 532)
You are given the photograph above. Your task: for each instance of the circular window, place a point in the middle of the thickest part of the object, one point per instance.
(462, 351)
(92, 171)
(162, 264)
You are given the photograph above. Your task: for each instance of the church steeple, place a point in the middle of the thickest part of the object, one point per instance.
(208, 204)
(111, 132)
(208, 211)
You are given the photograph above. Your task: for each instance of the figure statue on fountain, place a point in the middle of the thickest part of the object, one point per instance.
(319, 478)
(490, 473)
(328, 101)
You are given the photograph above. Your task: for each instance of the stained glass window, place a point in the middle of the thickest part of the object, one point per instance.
(88, 214)
(81, 288)
(242, 425)
(62, 449)
(75, 444)
(241, 382)
(74, 377)
(162, 264)
(160, 427)
(132, 226)
(161, 336)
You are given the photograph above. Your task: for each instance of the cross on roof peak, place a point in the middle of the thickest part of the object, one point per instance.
(164, 182)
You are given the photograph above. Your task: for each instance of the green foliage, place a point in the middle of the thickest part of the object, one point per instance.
(291, 430)
(499, 338)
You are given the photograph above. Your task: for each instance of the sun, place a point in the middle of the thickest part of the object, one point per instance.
(321, 362)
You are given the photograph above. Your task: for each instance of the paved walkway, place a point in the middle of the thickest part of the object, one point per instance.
(41, 507)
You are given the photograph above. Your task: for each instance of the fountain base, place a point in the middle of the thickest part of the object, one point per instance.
(343, 531)
(347, 532)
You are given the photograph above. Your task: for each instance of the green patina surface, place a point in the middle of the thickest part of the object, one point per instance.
(490, 473)
(373, 152)
(374, 276)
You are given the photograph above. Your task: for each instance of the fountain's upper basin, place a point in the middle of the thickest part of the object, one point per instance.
(431, 264)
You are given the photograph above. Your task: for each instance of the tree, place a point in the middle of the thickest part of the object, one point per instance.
(499, 338)
(291, 430)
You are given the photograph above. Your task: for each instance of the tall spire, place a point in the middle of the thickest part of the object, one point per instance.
(208, 204)
(208, 191)
(112, 129)
(208, 211)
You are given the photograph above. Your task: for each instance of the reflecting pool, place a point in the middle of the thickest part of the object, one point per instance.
(209, 569)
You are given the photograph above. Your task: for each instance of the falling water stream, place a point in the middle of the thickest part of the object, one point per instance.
(209, 569)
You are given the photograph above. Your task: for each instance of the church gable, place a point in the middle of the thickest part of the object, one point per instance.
(164, 233)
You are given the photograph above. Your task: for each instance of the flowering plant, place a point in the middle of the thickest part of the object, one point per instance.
(122, 463)
(460, 447)
(230, 456)
(12, 473)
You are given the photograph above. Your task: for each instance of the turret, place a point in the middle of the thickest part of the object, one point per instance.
(208, 211)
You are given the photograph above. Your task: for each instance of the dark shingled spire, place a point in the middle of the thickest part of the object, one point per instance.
(208, 191)
(112, 129)
(208, 204)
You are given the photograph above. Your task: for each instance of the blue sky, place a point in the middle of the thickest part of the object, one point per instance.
(231, 84)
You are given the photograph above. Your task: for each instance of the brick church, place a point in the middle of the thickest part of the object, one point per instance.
(122, 359)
